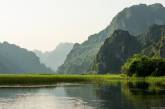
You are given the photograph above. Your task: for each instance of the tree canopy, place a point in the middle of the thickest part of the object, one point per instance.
(141, 65)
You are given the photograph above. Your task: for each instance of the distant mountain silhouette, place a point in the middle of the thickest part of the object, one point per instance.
(14, 59)
(55, 58)
(135, 19)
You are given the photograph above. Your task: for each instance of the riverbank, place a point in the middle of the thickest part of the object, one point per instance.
(42, 79)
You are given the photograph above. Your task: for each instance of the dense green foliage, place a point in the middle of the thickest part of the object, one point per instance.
(135, 19)
(140, 65)
(14, 59)
(53, 59)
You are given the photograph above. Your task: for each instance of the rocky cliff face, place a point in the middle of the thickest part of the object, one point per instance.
(115, 51)
(153, 41)
(121, 45)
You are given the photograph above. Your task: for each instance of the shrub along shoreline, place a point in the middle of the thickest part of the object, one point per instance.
(144, 66)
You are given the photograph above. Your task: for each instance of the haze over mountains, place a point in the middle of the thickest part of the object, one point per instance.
(14, 59)
(53, 59)
(135, 19)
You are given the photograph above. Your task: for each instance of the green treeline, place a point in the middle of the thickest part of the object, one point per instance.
(141, 65)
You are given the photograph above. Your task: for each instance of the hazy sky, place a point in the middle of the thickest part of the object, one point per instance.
(42, 24)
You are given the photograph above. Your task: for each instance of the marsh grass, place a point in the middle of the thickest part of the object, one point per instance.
(33, 79)
(48, 79)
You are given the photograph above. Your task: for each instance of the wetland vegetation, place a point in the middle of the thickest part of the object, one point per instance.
(43, 79)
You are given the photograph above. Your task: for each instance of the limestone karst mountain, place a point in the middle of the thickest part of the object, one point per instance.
(121, 45)
(135, 19)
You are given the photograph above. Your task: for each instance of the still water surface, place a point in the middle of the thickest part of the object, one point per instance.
(85, 96)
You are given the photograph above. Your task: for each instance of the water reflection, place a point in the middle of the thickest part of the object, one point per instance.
(144, 95)
(39, 98)
(143, 88)
(125, 95)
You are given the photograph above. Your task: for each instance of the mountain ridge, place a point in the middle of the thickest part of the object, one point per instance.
(14, 59)
(135, 19)
(121, 46)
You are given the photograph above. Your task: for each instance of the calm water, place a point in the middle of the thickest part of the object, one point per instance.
(85, 96)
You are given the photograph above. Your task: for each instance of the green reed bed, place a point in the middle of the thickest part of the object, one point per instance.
(40, 79)
(48, 79)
